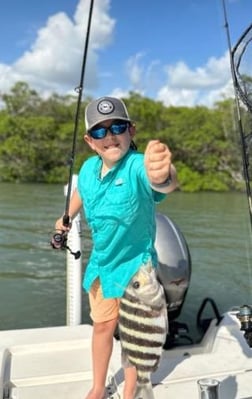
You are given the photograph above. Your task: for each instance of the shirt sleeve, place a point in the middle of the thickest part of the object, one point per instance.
(158, 197)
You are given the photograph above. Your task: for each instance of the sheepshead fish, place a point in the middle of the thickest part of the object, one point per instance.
(143, 326)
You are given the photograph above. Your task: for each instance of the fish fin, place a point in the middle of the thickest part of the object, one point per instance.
(148, 266)
(165, 312)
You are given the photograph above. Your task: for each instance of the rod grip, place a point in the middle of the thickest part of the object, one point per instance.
(66, 220)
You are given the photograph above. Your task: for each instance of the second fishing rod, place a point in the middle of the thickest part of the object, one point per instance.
(237, 90)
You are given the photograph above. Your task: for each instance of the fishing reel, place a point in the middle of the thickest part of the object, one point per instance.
(59, 241)
(245, 318)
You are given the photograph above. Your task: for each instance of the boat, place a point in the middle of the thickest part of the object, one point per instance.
(55, 362)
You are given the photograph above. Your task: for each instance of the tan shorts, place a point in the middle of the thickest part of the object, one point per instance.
(102, 309)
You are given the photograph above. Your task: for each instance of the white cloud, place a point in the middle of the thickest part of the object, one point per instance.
(117, 92)
(177, 97)
(203, 85)
(143, 78)
(181, 85)
(53, 63)
(213, 74)
(135, 72)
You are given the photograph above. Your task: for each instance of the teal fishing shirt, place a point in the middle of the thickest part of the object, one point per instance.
(120, 211)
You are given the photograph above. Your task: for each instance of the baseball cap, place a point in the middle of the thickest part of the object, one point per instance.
(103, 109)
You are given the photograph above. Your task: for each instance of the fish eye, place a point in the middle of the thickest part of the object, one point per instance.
(136, 284)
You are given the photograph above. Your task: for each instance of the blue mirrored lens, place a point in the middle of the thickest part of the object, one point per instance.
(118, 129)
(100, 132)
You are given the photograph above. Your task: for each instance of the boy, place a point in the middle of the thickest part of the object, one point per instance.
(118, 189)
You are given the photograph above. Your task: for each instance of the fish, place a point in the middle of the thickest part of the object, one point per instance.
(143, 327)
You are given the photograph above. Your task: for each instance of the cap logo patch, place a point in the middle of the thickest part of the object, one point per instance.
(105, 107)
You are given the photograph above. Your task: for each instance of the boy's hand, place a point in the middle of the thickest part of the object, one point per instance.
(60, 226)
(157, 159)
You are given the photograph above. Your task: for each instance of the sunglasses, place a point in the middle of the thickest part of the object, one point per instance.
(116, 129)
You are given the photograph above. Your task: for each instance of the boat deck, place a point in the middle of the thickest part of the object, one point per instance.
(56, 363)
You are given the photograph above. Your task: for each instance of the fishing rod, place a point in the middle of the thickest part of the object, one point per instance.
(59, 240)
(237, 93)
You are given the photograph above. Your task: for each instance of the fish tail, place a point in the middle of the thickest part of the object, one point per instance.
(144, 391)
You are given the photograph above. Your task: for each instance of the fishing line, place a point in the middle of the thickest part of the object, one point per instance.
(59, 240)
(237, 92)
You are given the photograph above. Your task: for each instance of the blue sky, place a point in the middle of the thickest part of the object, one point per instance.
(174, 51)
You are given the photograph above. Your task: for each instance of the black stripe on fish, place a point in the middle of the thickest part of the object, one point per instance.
(142, 380)
(131, 299)
(140, 326)
(139, 355)
(140, 341)
(132, 308)
(147, 369)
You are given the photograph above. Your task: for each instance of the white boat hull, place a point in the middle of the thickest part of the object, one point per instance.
(56, 363)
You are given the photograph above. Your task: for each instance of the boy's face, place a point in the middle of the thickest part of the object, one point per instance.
(112, 147)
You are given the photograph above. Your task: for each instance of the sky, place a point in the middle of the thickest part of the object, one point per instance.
(173, 51)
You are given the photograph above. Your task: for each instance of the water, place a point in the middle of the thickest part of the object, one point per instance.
(33, 276)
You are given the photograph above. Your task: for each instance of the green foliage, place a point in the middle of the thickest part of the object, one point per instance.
(21, 100)
(36, 139)
(192, 181)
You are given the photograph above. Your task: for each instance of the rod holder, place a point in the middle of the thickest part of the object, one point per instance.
(208, 388)
(245, 317)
